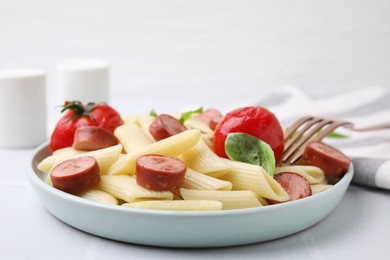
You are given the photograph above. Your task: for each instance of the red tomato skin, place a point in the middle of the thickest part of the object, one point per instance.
(255, 120)
(102, 116)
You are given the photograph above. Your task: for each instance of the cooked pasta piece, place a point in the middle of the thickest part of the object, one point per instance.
(132, 118)
(317, 188)
(104, 157)
(171, 146)
(125, 187)
(246, 176)
(46, 164)
(131, 136)
(198, 181)
(48, 180)
(208, 139)
(144, 122)
(176, 195)
(263, 201)
(230, 199)
(180, 205)
(313, 174)
(202, 159)
(99, 196)
(68, 151)
(193, 123)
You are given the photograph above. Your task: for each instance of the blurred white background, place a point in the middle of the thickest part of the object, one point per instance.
(178, 50)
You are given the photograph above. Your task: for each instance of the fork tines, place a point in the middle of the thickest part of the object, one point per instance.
(303, 131)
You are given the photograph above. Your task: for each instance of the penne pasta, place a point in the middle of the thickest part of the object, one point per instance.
(313, 174)
(199, 181)
(125, 187)
(104, 157)
(171, 146)
(131, 137)
(317, 188)
(68, 151)
(144, 122)
(202, 159)
(229, 199)
(132, 118)
(263, 201)
(246, 176)
(193, 123)
(99, 196)
(48, 180)
(210, 182)
(208, 139)
(180, 205)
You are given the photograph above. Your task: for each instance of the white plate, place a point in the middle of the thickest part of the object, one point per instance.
(185, 229)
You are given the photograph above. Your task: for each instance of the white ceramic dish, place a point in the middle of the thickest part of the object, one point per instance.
(185, 229)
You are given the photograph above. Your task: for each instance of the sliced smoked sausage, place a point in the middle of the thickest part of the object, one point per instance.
(76, 175)
(165, 126)
(91, 138)
(210, 117)
(159, 172)
(214, 122)
(333, 162)
(296, 186)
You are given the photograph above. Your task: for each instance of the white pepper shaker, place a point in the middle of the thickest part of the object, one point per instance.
(82, 80)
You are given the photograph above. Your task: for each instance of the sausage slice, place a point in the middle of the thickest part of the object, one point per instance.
(210, 117)
(160, 172)
(214, 122)
(91, 138)
(296, 186)
(76, 175)
(333, 162)
(165, 126)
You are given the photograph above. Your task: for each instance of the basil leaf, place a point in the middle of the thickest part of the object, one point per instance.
(250, 149)
(337, 135)
(188, 114)
(153, 113)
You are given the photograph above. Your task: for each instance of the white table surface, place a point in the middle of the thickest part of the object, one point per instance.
(359, 228)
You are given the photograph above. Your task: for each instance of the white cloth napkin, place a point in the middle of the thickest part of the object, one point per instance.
(370, 151)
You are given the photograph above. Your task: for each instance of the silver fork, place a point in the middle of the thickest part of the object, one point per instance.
(313, 128)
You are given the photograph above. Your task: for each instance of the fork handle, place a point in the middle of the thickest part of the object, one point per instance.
(370, 128)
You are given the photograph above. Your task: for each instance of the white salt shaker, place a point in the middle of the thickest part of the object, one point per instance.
(82, 80)
(22, 108)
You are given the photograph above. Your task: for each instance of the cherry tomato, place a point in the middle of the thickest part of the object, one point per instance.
(100, 115)
(257, 121)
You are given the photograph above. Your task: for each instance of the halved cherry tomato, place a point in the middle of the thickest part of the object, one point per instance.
(100, 115)
(255, 120)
